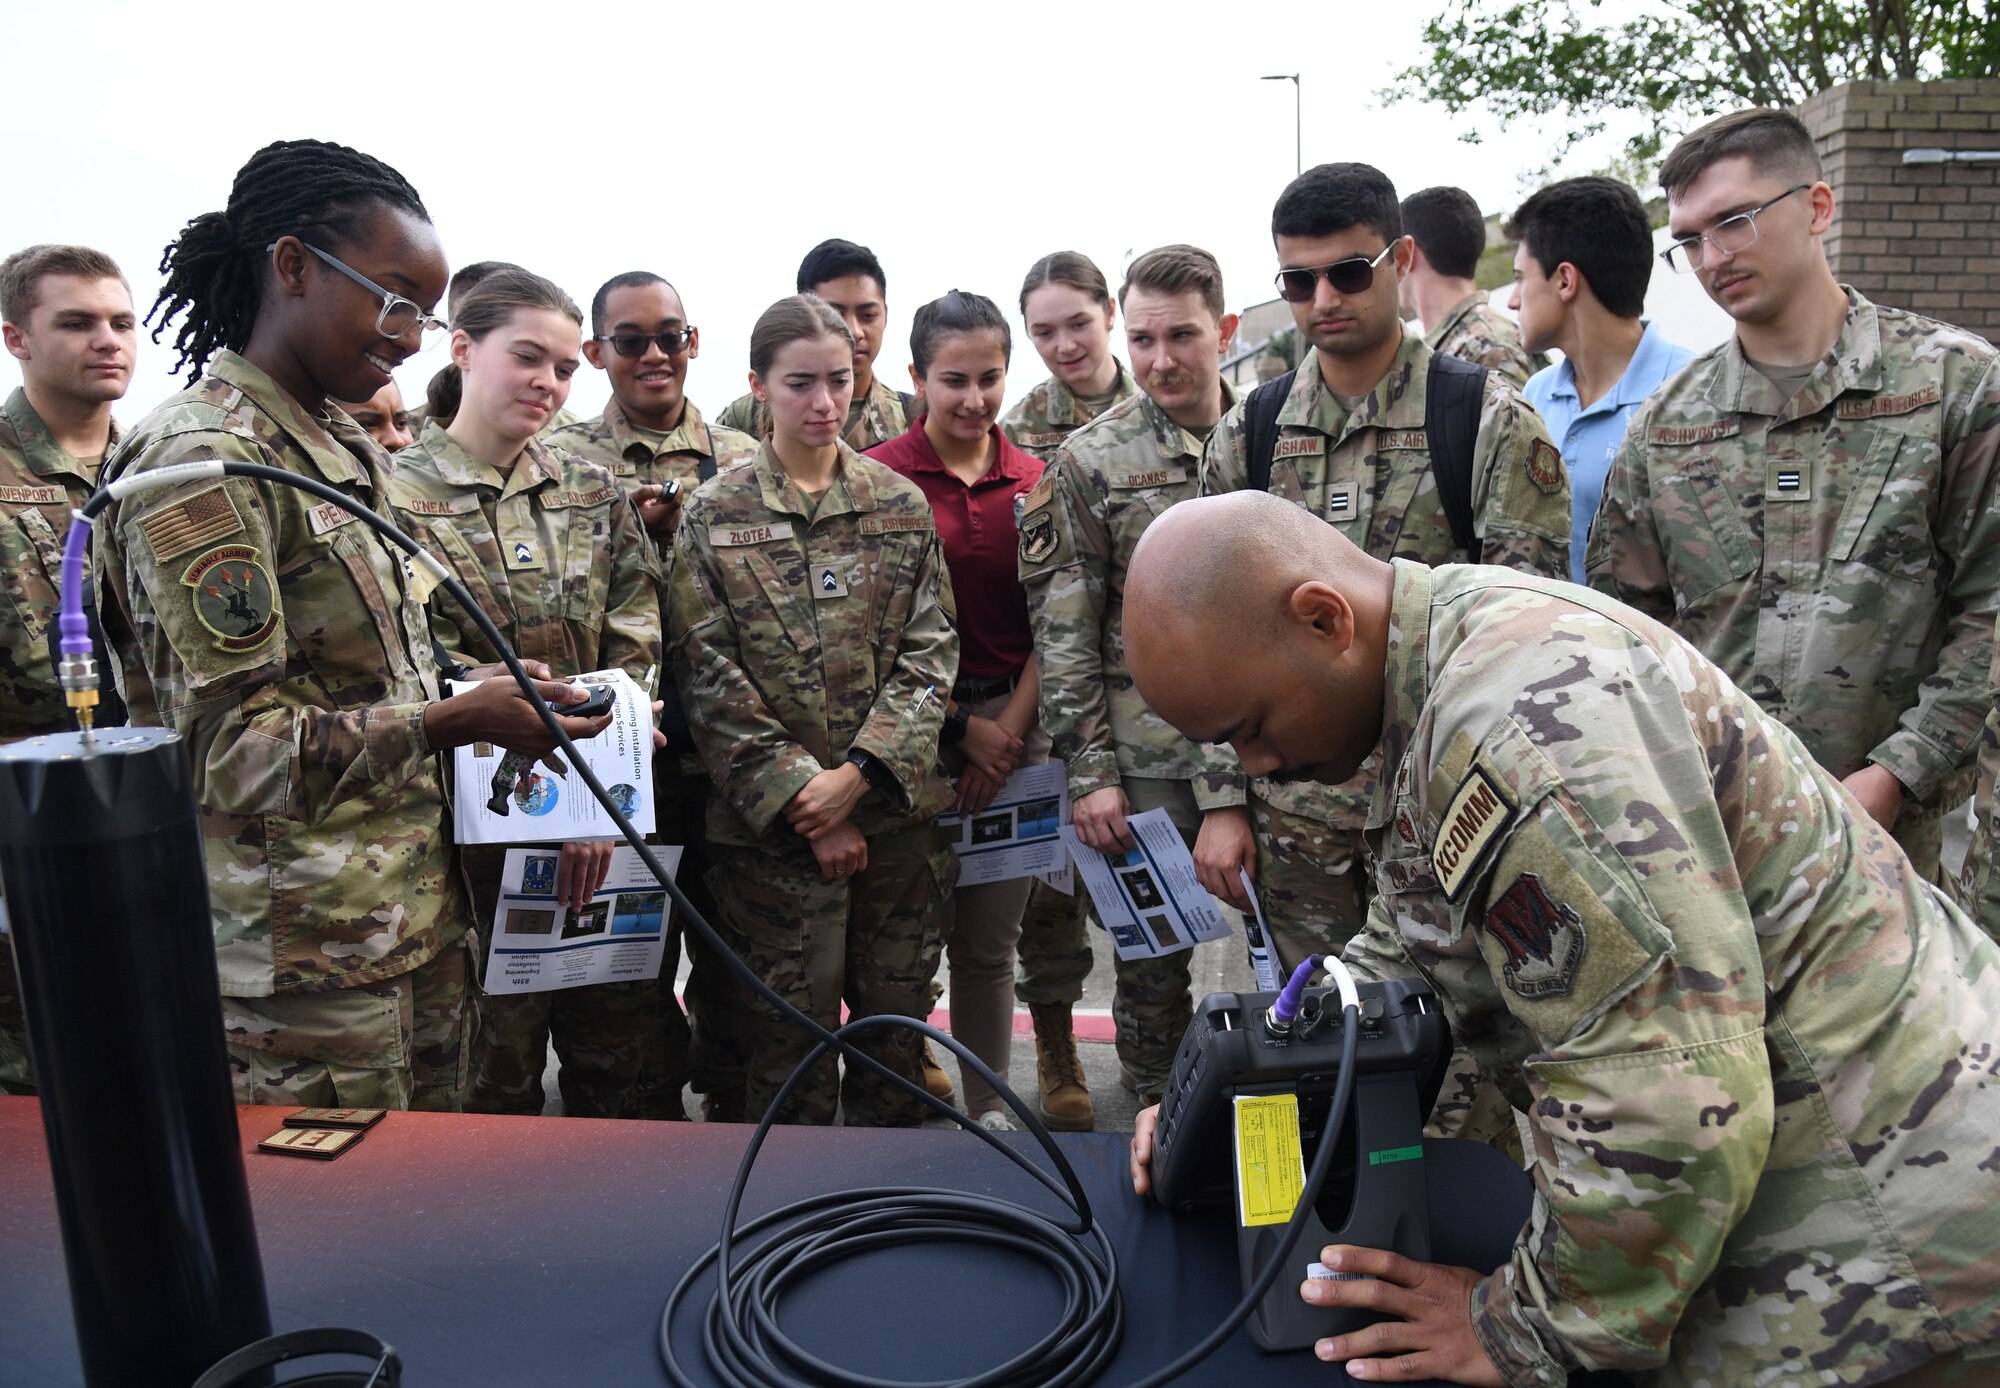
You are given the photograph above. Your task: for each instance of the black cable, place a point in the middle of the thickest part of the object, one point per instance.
(745, 1346)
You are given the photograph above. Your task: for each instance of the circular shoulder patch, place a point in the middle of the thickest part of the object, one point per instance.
(1545, 468)
(233, 597)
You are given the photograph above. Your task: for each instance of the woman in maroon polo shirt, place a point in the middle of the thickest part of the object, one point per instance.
(955, 452)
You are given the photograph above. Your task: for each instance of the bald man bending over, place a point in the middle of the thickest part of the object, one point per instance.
(1755, 1050)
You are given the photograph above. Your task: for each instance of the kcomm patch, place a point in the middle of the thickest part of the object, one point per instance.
(233, 597)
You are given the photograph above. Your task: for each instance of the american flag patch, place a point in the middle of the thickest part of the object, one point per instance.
(199, 520)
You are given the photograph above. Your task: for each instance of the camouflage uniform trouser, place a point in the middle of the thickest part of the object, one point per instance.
(1054, 949)
(872, 940)
(1312, 880)
(706, 1047)
(397, 1043)
(1151, 1004)
(17, 1072)
(602, 1032)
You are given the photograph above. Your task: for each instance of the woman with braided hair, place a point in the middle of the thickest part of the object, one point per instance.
(284, 640)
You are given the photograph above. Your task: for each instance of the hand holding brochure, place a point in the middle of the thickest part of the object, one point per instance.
(539, 944)
(1149, 898)
(542, 801)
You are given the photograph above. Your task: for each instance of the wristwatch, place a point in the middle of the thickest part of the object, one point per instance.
(953, 731)
(876, 775)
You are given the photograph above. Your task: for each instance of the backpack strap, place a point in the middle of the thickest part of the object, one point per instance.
(1260, 427)
(1454, 395)
(705, 469)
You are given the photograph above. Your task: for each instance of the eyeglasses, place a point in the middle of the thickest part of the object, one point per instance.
(1730, 235)
(1351, 276)
(672, 341)
(398, 314)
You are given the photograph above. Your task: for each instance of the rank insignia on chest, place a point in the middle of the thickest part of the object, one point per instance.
(233, 597)
(522, 556)
(1787, 481)
(1038, 536)
(829, 584)
(1545, 467)
(1543, 940)
(1339, 502)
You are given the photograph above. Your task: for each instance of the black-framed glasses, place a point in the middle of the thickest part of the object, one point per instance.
(1730, 235)
(1354, 275)
(398, 314)
(672, 341)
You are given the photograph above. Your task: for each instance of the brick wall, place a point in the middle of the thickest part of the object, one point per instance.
(1925, 237)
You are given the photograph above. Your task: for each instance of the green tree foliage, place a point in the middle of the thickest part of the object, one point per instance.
(1675, 61)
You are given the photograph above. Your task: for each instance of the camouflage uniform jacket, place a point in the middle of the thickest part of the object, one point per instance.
(1050, 413)
(1079, 527)
(1368, 474)
(647, 458)
(1475, 331)
(551, 550)
(874, 418)
(802, 632)
(1754, 1051)
(1979, 889)
(1838, 555)
(39, 483)
(279, 636)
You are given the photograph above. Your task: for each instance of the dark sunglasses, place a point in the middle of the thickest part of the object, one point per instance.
(673, 341)
(1353, 275)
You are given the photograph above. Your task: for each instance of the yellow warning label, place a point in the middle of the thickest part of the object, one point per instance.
(1270, 1167)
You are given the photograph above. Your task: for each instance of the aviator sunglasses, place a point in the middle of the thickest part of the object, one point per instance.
(1353, 275)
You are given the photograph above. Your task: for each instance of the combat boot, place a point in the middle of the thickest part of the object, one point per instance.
(935, 1079)
(1066, 1103)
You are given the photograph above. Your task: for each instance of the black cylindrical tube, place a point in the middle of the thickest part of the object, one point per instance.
(107, 900)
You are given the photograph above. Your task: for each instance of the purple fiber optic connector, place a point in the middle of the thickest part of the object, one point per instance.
(1279, 1018)
(75, 628)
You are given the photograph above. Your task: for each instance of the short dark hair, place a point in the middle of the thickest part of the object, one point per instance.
(21, 275)
(1599, 226)
(1448, 228)
(1329, 198)
(1175, 270)
(953, 315)
(1776, 142)
(836, 260)
(631, 279)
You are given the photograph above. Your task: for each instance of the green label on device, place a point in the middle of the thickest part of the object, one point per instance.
(1389, 1154)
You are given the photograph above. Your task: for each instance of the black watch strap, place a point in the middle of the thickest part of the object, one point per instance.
(875, 774)
(953, 730)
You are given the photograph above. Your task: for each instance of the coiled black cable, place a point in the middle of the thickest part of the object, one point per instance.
(745, 1344)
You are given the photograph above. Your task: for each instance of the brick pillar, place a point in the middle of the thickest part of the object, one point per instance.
(1924, 237)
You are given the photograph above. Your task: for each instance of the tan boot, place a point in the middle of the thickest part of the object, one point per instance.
(1065, 1098)
(935, 1079)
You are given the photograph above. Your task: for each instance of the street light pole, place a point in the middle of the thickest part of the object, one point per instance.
(1298, 135)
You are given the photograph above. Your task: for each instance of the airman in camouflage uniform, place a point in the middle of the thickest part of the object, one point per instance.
(39, 483)
(1749, 1041)
(1979, 885)
(804, 631)
(339, 919)
(1838, 553)
(1051, 412)
(1368, 474)
(1079, 526)
(689, 453)
(1754, 1052)
(876, 417)
(555, 554)
(1475, 331)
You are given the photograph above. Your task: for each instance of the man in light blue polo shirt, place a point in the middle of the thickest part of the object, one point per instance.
(1580, 277)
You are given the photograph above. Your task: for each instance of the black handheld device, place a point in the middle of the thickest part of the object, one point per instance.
(508, 772)
(1374, 1193)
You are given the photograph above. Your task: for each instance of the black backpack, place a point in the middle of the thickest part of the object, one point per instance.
(1454, 394)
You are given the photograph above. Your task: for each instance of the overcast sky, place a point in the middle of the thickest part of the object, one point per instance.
(716, 143)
